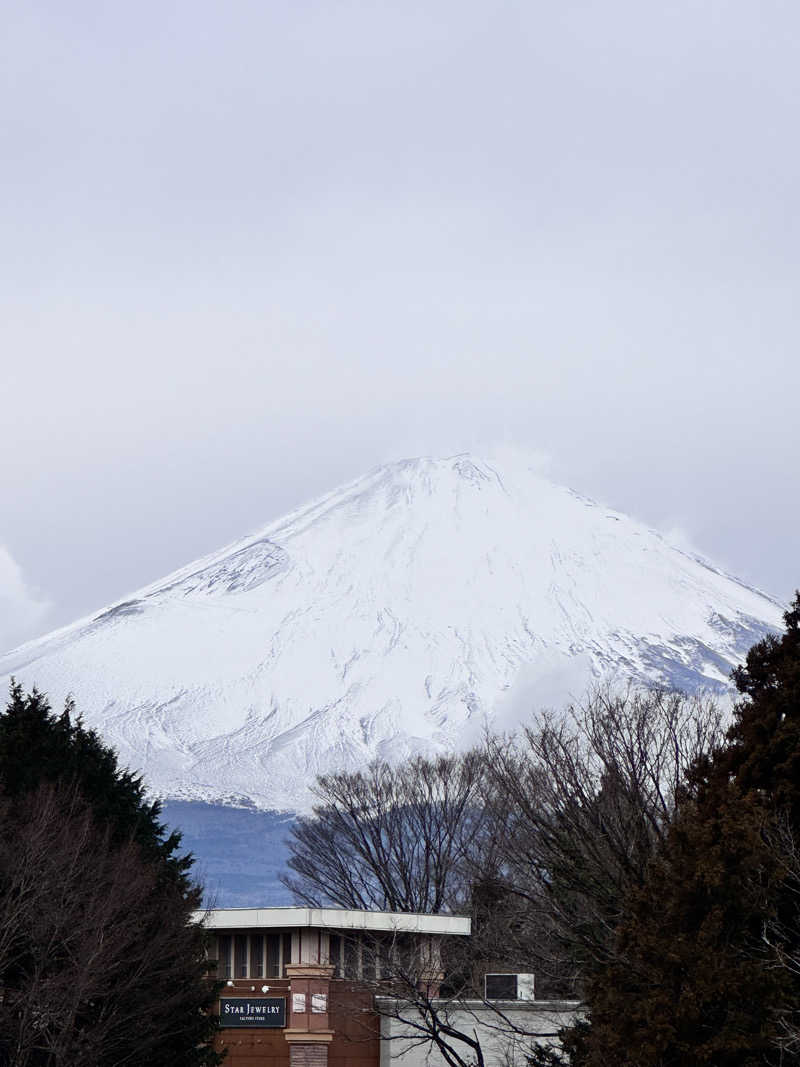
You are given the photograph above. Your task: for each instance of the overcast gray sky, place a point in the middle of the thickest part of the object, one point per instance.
(252, 249)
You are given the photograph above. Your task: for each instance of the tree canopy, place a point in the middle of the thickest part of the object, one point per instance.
(708, 949)
(540, 837)
(101, 962)
(401, 838)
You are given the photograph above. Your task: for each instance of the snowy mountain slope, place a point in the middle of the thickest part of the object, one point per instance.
(388, 617)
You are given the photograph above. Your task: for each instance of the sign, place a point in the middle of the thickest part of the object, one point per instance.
(298, 1003)
(252, 1011)
(501, 986)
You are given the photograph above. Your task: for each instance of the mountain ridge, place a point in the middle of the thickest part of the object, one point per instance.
(392, 615)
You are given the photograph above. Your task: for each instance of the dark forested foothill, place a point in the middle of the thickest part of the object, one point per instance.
(100, 962)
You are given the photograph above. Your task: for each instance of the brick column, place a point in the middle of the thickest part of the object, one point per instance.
(308, 1032)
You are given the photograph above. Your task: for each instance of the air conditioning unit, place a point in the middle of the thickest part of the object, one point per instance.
(508, 987)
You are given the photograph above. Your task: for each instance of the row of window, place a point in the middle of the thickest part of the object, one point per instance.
(253, 955)
(353, 957)
(266, 956)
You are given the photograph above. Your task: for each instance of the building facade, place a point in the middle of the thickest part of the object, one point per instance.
(316, 987)
(300, 982)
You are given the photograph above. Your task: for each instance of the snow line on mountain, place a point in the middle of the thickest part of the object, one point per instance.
(397, 614)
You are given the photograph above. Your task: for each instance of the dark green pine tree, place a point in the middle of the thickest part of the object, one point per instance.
(706, 964)
(763, 754)
(37, 746)
(50, 763)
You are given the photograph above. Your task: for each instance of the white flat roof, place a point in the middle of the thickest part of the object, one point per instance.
(333, 919)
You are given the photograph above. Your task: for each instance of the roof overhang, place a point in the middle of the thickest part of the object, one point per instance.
(333, 919)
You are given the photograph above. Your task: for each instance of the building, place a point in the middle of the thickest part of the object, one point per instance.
(316, 987)
(506, 1031)
(300, 981)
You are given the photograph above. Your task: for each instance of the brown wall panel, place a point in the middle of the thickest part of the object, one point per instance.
(250, 1051)
(254, 1048)
(356, 1029)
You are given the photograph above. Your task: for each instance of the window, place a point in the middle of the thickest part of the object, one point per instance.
(351, 958)
(240, 953)
(273, 955)
(405, 955)
(501, 986)
(256, 956)
(335, 954)
(384, 948)
(368, 960)
(224, 954)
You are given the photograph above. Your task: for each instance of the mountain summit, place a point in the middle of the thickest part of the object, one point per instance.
(391, 616)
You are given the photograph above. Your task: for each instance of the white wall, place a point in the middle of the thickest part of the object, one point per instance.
(494, 1026)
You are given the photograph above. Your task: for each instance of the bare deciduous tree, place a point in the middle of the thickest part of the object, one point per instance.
(95, 954)
(427, 998)
(781, 931)
(539, 837)
(395, 838)
(587, 795)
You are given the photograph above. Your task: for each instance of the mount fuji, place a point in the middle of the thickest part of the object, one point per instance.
(397, 614)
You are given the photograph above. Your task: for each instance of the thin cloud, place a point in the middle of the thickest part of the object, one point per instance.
(23, 611)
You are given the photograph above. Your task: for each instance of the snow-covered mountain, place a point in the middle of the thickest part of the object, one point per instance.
(391, 616)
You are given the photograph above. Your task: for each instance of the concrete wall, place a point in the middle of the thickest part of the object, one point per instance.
(493, 1025)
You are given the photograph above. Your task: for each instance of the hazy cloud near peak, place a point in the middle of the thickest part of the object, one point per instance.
(23, 612)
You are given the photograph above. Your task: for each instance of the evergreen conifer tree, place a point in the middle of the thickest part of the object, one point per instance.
(701, 975)
(100, 960)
